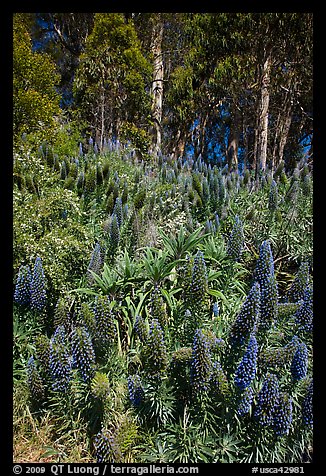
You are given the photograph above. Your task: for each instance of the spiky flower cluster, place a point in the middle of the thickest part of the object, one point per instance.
(217, 221)
(83, 354)
(157, 306)
(42, 352)
(38, 291)
(80, 181)
(100, 386)
(293, 192)
(60, 361)
(291, 347)
(281, 356)
(299, 284)
(303, 317)
(307, 406)
(247, 318)
(136, 391)
(264, 275)
(299, 365)
(286, 309)
(235, 241)
(210, 227)
(22, 294)
(34, 381)
(181, 358)
(265, 263)
(96, 262)
(221, 188)
(62, 314)
(273, 196)
(246, 401)
(201, 362)
(155, 351)
(117, 211)
(218, 379)
(141, 328)
(268, 399)
(283, 415)
(104, 321)
(106, 448)
(215, 343)
(86, 318)
(268, 302)
(215, 309)
(247, 368)
(199, 283)
(114, 232)
(307, 185)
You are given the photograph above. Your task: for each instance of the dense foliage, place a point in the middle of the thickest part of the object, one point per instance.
(156, 306)
(162, 226)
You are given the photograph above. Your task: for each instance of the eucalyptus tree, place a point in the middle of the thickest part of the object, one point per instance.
(211, 79)
(35, 99)
(248, 75)
(62, 36)
(281, 50)
(110, 82)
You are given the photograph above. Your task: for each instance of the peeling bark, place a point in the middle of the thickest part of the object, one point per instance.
(262, 113)
(157, 83)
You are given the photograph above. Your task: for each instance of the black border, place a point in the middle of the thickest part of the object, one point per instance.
(7, 207)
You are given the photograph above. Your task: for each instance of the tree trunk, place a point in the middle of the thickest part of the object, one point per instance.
(202, 136)
(262, 117)
(233, 140)
(102, 124)
(282, 128)
(157, 84)
(179, 143)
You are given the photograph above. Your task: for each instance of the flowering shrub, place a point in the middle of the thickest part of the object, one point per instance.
(299, 284)
(201, 363)
(104, 322)
(299, 365)
(195, 350)
(96, 262)
(236, 238)
(106, 448)
(246, 401)
(303, 317)
(136, 392)
(22, 293)
(307, 406)
(268, 401)
(273, 196)
(283, 415)
(60, 364)
(247, 368)
(34, 381)
(247, 318)
(83, 355)
(155, 352)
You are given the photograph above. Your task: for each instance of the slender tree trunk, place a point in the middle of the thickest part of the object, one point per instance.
(284, 136)
(282, 128)
(263, 107)
(157, 84)
(233, 141)
(102, 124)
(203, 124)
(179, 143)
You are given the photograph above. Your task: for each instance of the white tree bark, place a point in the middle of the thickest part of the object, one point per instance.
(157, 83)
(263, 106)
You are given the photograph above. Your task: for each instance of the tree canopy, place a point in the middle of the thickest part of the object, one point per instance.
(233, 87)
